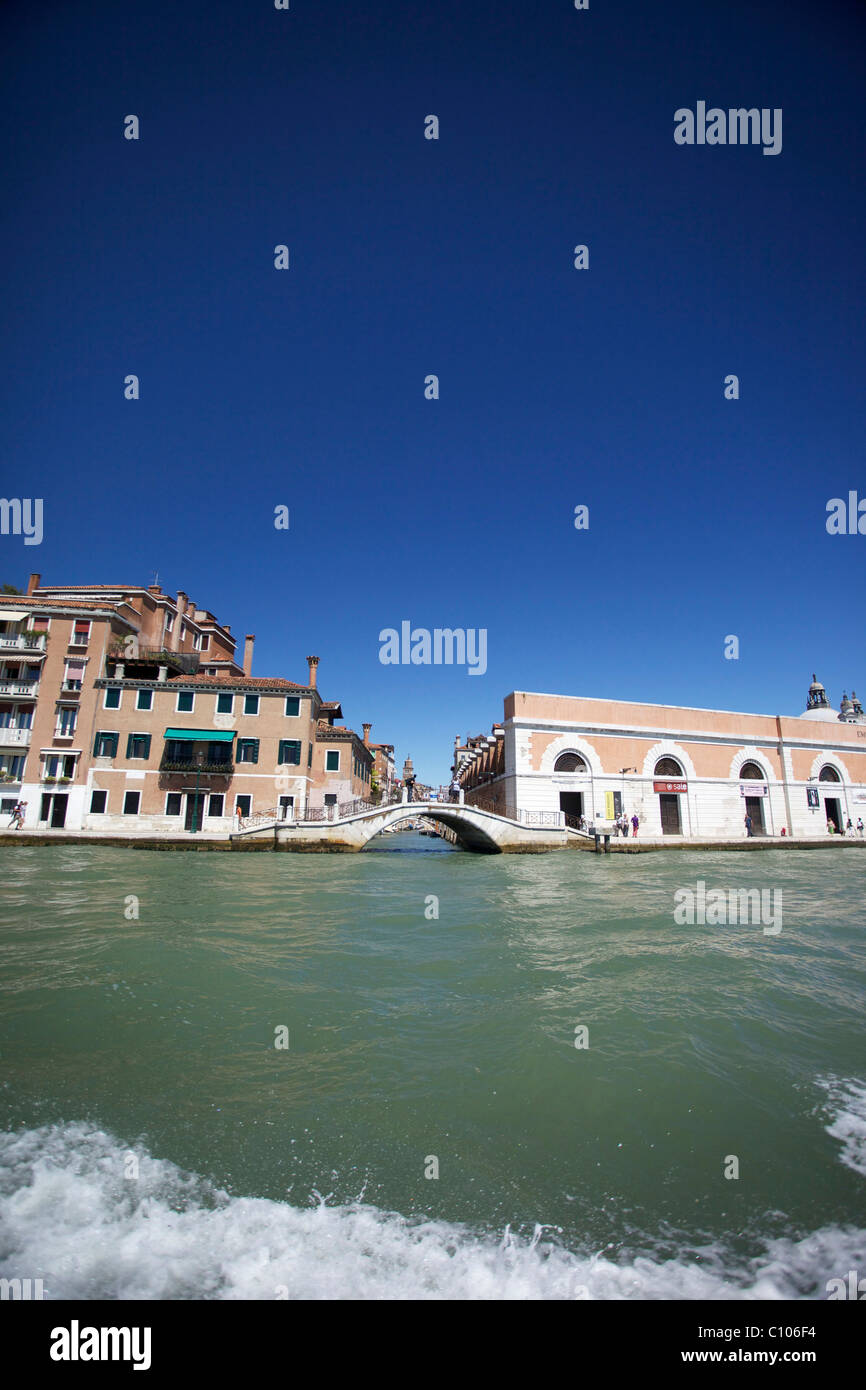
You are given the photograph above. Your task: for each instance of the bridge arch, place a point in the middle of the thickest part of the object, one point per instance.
(468, 828)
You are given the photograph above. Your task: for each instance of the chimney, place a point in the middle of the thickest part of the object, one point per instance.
(33, 583)
(249, 643)
(154, 588)
(367, 728)
(312, 663)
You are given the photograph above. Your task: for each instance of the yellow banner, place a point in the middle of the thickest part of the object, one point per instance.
(609, 812)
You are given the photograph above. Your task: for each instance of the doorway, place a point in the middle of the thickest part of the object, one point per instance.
(755, 809)
(670, 813)
(58, 810)
(571, 804)
(287, 807)
(833, 812)
(194, 810)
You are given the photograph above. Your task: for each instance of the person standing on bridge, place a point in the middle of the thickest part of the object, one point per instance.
(410, 787)
(455, 789)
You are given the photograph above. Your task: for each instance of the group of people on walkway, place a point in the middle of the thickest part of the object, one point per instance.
(834, 829)
(620, 825)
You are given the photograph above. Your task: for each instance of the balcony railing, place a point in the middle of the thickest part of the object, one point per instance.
(207, 769)
(25, 688)
(31, 643)
(19, 738)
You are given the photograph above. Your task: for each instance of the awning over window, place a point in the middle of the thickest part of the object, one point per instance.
(12, 615)
(202, 735)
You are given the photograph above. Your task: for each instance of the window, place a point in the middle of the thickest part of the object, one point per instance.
(145, 699)
(330, 799)
(80, 635)
(196, 641)
(569, 762)
(224, 704)
(173, 804)
(248, 750)
(668, 767)
(131, 802)
(182, 631)
(205, 641)
(138, 746)
(98, 803)
(105, 746)
(829, 774)
(13, 766)
(251, 704)
(219, 753)
(293, 706)
(310, 756)
(169, 622)
(74, 675)
(290, 751)
(112, 698)
(185, 701)
(67, 718)
(244, 805)
(332, 761)
(750, 772)
(215, 805)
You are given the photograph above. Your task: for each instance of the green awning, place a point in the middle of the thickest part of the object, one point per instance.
(202, 735)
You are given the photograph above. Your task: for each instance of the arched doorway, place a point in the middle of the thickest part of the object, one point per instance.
(832, 804)
(669, 785)
(754, 802)
(571, 803)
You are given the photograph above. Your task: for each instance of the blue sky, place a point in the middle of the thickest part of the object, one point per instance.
(409, 257)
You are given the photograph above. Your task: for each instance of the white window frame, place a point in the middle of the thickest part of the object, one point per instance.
(177, 708)
(213, 815)
(243, 796)
(73, 636)
(173, 814)
(119, 689)
(220, 695)
(143, 709)
(252, 714)
(129, 792)
(286, 707)
(328, 752)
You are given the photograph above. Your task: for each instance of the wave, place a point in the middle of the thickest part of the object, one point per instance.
(847, 1100)
(95, 1219)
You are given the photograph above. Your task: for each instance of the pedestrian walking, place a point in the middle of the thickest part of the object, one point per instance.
(240, 815)
(634, 825)
(747, 821)
(860, 826)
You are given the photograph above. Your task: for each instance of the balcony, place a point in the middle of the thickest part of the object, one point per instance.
(22, 689)
(29, 644)
(206, 769)
(15, 738)
(71, 688)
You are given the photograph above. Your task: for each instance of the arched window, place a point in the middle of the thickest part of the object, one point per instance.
(829, 774)
(668, 767)
(750, 772)
(569, 762)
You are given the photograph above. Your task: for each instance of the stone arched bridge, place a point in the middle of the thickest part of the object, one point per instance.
(474, 829)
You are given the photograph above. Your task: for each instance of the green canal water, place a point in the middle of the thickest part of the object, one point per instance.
(158, 1144)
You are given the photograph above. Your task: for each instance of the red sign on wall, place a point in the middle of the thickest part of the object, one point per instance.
(670, 787)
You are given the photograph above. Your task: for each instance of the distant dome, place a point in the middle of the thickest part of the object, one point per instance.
(818, 707)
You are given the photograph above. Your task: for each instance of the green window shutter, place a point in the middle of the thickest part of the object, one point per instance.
(146, 743)
(130, 745)
(255, 746)
(283, 755)
(113, 740)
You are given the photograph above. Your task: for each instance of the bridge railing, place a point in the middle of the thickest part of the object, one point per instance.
(554, 818)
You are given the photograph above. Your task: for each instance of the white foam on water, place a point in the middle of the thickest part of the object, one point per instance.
(70, 1217)
(846, 1099)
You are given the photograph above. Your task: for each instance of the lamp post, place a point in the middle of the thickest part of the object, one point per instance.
(199, 764)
